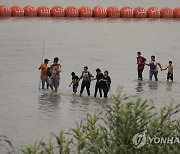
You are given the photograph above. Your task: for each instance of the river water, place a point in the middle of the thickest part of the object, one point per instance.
(27, 114)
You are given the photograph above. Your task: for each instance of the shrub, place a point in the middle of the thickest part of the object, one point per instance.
(112, 131)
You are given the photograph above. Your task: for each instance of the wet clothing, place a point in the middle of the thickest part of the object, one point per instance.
(75, 83)
(106, 82)
(75, 79)
(87, 85)
(170, 76)
(140, 71)
(140, 67)
(86, 82)
(75, 88)
(55, 69)
(54, 81)
(153, 65)
(86, 76)
(55, 77)
(98, 85)
(141, 62)
(170, 72)
(44, 77)
(153, 70)
(43, 68)
(151, 73)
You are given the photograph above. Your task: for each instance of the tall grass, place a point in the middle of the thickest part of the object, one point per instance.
(112, 132)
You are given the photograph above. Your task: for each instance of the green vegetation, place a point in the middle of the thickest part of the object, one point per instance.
(112, 131)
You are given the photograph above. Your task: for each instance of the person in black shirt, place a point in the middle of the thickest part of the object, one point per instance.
(75, 80)
(105, 82)
(98, 86)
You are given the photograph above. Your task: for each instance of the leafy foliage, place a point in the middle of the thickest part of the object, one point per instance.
(113, 133)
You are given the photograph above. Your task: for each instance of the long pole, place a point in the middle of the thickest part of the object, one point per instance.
(41, 63)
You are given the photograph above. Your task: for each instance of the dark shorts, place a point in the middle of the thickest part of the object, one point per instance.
(170, 76)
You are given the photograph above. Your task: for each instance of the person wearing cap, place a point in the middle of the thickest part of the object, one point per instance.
(140, 65)
(44, 76)
(55, 74)
(98, 85)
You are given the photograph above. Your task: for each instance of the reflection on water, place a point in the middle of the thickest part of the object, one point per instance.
(106, 43)
(169, 86)
(49, 100)
(74, 99)
(139, 86)
(153, 85)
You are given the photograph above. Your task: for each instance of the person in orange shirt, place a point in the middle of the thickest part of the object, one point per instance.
(44, 76)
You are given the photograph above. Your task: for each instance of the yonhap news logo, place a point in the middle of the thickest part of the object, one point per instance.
(140, 139)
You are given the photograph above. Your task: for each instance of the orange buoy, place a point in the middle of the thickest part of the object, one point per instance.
(43, 11)
(71, 11)
(176, 12)
(4, 11)
(57, 11)
(140, 12)
(166, 12)
(99, 12)
(17, 11)
(30, 11)
(126, 12)
(113, 12)
(153, 12)
(85, 11)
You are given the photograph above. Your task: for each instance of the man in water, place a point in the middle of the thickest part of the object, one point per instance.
(153, 68)
(86, 80)
(44, 76)
(55, 74)
(140, 65)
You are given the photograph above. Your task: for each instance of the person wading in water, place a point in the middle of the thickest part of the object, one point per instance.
(153, 68)
(55, 74)
(86, 80)
(44, 76)
(98, 85)
(140, 65)
(106, 82)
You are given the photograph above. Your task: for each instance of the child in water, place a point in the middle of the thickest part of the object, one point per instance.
(75, 80)
(170, 71)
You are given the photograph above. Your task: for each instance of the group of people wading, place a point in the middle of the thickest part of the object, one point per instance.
(141, 62)
(51, 76)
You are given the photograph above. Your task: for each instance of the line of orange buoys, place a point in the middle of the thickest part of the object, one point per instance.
(85, 11)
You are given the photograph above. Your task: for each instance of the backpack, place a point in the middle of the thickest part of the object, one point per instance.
(88, 75)
(48, 72)
(152, 66)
